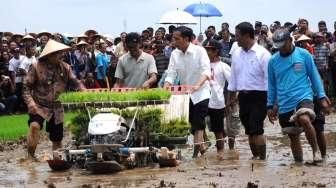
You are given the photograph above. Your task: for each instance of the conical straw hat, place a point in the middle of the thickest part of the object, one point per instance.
(28, 37)
(82, 36)
(82, 43)
(303, 38)
(44, 32)
(53, 46)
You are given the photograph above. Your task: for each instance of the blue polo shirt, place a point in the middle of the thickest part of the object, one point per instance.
(102, 61)
(292, 79)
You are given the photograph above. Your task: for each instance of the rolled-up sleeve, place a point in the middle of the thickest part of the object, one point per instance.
(205, 64)
(119, 73)
(152, 66)
(232, 81)
(264, 62)
(171, 71)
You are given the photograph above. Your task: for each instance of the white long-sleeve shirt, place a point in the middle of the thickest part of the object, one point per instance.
(249, 69)
(190, 66)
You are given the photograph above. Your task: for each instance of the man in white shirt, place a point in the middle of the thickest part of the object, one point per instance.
(220, 72)
(28, 60)
(192, 65)
(249, 78)
(16, 75)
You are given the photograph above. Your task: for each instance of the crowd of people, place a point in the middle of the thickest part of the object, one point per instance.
(274, 70)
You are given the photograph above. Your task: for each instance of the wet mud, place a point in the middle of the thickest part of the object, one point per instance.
(236, 170)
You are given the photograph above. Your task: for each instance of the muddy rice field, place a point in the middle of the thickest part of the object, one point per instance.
(236, 170)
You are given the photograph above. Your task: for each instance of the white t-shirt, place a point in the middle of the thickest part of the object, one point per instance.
(27, 62)
(220, 72)
(14, 65)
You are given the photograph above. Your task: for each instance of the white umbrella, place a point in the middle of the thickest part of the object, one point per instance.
(177, 17)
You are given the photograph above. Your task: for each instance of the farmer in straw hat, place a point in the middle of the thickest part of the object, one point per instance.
(45, 81)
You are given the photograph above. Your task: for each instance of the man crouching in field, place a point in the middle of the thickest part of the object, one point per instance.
(45, 81)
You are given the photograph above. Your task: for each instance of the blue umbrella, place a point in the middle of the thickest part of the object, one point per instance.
(203, 10)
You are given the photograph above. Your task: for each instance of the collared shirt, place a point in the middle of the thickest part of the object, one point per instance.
(249, 69)
(102, 62)
(292, 79)
(321, 55)
(189, 67)
(43, 85)
(134, 72)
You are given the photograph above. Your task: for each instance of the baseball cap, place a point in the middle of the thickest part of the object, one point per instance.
(280, 37)
(212, 43)
(132, 38)
(258, 24)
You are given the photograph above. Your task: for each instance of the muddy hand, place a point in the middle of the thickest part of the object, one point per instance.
(272, 115)
(325, 103)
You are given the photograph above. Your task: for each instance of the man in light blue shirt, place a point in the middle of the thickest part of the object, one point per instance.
(293, 80)
(102, 61)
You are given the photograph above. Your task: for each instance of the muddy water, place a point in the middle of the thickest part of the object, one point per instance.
(278, 170)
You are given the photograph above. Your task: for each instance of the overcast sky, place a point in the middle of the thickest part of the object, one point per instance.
(113, 17)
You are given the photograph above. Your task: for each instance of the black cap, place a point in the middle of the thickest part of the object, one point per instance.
(258, 24)
(132, 38)
(212, 43)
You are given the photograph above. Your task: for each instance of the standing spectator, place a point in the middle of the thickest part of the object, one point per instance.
(170, 46)
(249, 78)
(70, 58)
(136, 69)
(210, 34)
(5, 48)
(16, 75)
(322, 27)
(263, 38)
(160, 59)
(226, 44)
(102, 63)
(82, 59)
(303, 29)
(151, 32)
(304, 42)
(226, 27)
(321, 57)
(44, 38)
(257, 29)
(120, 48)
(4, 63)
(29, 41)
(334, 31)
(192, 65)
(332, 63)
(7, 95)
(89, 82)
(28, 60)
